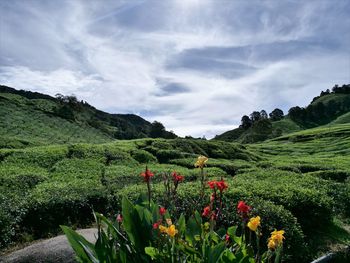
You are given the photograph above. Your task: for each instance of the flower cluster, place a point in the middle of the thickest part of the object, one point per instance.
(147, 175)
(220, 185)
(276, 239)
(243, 209)
(201, 161)
(177, 177)
(170, 230)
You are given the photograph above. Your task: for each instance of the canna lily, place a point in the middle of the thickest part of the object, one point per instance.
(271, 244)
(172, 231)
(206, 211)
(147, 175)
(162, 211)
(177, 177)
(212, 184)
(243, 207)
(201, 161)
(276, 239)
(221, 185)
(278, 236)
(163, 229)
(156, 225)
(119, 218)
(254, 223)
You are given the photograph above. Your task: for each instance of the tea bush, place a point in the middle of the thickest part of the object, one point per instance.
(54, 203)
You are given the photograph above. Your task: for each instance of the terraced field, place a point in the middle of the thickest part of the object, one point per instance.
(298, 182)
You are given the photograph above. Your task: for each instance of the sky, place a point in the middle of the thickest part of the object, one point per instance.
(197, 66)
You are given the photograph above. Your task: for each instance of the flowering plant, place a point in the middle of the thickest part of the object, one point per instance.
(146, 232)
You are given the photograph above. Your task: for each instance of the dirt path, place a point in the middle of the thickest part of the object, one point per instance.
(53, 250)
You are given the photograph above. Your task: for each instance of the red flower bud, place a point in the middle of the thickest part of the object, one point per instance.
(119, 218)
(162, 211)
(206, 211)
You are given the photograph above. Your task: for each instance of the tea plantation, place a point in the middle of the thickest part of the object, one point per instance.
(298, 182)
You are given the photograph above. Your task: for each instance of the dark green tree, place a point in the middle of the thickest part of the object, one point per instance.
(276, 114)
(263, 114)
(255, 116)
(246, 122)
(157, 130)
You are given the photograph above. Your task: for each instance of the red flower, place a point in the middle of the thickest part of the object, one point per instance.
(147, 175)
(162, 211)
(177, 177)
(156, 225)
(119, 218)
(243, 208)
(212, 184)
(221, 185)
(227, 237)
(206, 211)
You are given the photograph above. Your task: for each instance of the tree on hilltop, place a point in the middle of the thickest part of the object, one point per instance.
(276, 114)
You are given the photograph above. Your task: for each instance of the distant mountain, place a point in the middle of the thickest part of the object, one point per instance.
(330, 107)
(32, 118)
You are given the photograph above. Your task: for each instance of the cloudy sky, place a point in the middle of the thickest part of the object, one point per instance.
(195, 65)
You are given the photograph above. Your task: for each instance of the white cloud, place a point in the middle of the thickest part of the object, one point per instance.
(113, 55)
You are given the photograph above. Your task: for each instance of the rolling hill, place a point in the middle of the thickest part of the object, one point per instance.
(31, 118)
(328, 108)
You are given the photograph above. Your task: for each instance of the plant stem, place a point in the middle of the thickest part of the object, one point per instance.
(149, 194)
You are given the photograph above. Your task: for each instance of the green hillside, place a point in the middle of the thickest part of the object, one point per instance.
(328, 108)
(298, 182)
(345, 118)
(28, 118)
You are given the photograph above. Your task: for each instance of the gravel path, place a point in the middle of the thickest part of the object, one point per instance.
(53, 250)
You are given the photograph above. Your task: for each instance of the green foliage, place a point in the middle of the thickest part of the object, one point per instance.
(143, 156)
(135, 239)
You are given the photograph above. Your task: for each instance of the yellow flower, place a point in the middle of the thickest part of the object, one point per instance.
(276, 239)
(254, 223)
(278, 236)
(172, 231)
(163, 229)
(271, 245)
(169, 222)
(201, 161)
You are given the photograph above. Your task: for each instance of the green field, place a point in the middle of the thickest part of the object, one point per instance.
(298, 182)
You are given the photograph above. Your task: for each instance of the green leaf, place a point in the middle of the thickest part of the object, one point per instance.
(228, 257)
(192, 229)
(216, 252)
(181, 224)
(77, 242)
(232, 231)
(152, 252)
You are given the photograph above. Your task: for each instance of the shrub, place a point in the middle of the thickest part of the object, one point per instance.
(44, 157)
(143, 156)
(164, 156)
(55, 203)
